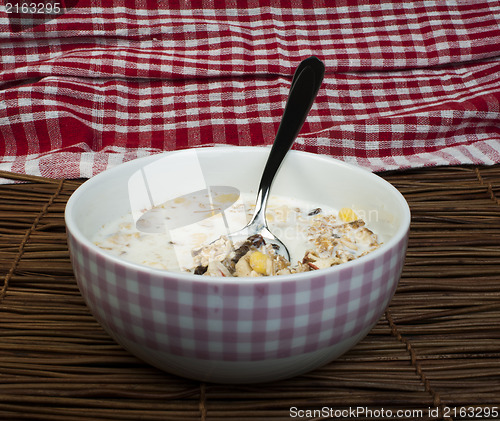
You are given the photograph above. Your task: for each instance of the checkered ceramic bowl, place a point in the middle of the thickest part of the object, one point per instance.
(236, 330)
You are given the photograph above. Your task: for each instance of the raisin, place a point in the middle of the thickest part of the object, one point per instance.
(314, 212)
(256, 240)
(200, 270)
(253, 241)
(241, 251)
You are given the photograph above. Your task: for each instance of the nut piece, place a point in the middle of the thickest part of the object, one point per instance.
(242, 267)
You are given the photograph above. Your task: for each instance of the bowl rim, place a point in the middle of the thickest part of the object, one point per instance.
(75, 232)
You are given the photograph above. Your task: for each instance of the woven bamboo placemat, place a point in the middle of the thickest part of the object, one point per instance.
(436, 349)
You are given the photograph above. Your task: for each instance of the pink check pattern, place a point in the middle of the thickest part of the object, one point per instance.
(408, 84)
(236, 322)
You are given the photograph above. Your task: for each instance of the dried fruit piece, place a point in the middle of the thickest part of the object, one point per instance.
(347, 215)
(259, 262)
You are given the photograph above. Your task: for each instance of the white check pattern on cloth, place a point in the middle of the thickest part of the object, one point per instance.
(213, 320)
(408, 84)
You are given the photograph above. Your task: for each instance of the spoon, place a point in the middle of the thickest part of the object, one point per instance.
(304, 88)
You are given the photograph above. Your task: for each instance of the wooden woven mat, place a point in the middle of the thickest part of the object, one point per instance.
(436, 347)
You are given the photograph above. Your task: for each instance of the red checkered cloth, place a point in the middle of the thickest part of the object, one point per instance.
(86, 85)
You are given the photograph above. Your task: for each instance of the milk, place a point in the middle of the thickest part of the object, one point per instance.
(165, 236)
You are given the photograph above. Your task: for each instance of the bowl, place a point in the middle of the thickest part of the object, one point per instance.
(236, 330)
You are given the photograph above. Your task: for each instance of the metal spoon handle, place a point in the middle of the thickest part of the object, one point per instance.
(305, 85)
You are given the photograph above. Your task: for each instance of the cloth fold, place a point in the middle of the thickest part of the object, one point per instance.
(407, 84)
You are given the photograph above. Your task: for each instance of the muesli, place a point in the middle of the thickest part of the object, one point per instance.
(317, 237)
(331, 241)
